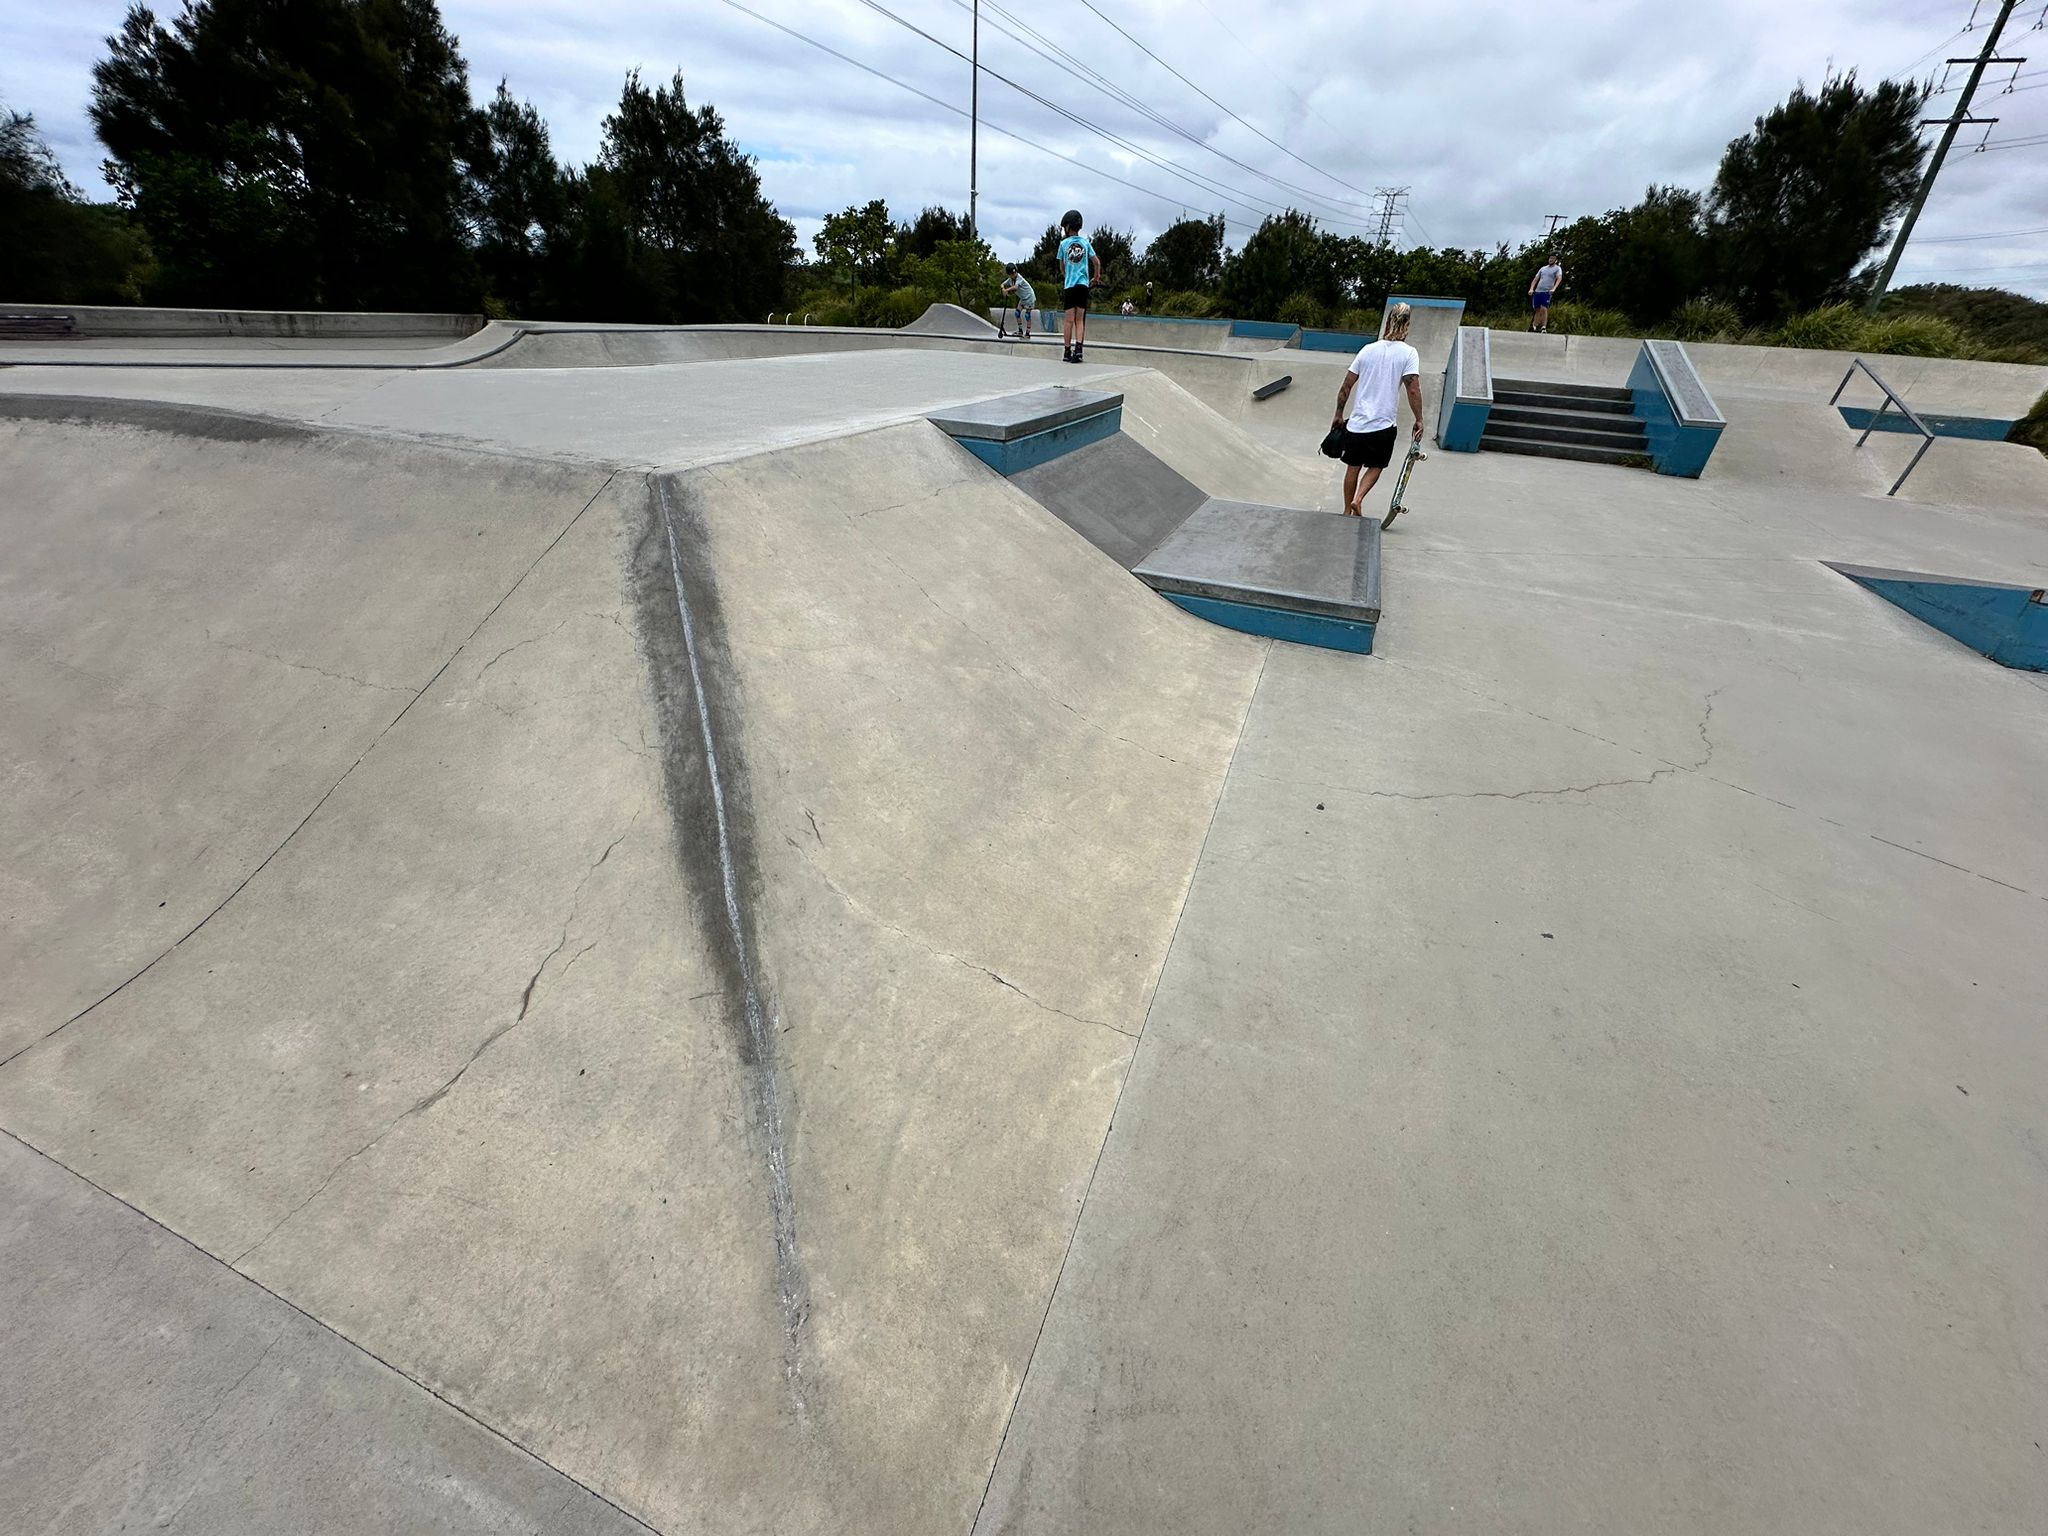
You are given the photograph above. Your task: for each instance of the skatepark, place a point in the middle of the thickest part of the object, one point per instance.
(631, 928)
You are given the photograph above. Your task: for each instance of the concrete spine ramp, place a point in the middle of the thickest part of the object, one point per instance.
(682, 933)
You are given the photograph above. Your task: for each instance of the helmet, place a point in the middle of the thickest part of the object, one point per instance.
(1071, 219)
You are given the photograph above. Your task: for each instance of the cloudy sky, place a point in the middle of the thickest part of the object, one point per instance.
(1493, 114)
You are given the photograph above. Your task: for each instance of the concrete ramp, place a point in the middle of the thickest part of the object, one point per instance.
(652, 957)
(1116, 495)
(949, 320)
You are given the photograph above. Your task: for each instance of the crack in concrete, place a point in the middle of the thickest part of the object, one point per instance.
(868, 913)
(429, 1100)
(305, 666)
(361, 758)
(520, 645)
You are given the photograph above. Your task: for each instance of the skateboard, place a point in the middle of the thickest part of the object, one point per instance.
(1395, 508)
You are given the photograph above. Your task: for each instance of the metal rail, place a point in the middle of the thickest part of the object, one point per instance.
(1891, 398)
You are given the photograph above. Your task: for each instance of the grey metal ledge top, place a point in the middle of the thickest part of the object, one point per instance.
(1008, 417)
(1883, 573)
(1690, 402)
(1474, 348)
(1276, 557)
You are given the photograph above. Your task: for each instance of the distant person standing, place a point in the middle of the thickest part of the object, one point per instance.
(1542, 289)
(1080, 267)
(1371, 393)
(1023, 298)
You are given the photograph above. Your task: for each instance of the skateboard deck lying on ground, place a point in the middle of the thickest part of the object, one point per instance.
(1395, 508)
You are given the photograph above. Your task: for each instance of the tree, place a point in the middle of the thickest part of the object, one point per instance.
(1119, 258)
(519, 198)
(963, 272)
(934, 227)
(1287, 258)
(1809, 192)
(58, 249)
(702, 237)
(857, 241)
(1187, 256)
(295, 153)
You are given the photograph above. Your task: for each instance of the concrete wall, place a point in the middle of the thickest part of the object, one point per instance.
(123, 320)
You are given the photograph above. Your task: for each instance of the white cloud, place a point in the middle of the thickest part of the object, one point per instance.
(1495, 114)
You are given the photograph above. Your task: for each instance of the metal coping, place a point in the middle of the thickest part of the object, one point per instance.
(1884, 573)
(1424, 301)
(1009, 417)
(1475, 360)
(1690, 402)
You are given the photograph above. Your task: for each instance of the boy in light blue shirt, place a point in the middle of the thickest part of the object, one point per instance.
(1080, 266)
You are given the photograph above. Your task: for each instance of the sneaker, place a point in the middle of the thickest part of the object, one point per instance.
(1077, 354)
(1066, 354)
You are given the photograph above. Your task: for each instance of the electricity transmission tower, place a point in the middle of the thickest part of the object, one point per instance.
(1952, 125)
(1391, 210)
(1555, 220)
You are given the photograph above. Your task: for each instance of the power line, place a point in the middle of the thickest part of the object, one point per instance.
(2029, 143)
(2003, 234)
(1184, 80)
(1037, 43)
(947, 106)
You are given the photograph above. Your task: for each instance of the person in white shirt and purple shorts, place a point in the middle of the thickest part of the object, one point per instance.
(1372, 391)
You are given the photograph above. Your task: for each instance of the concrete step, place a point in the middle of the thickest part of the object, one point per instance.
(1607, 392)
(1558, 397)
(1604, 422)
(1516, 440)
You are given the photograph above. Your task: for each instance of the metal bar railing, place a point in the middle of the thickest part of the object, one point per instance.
(1891, 398)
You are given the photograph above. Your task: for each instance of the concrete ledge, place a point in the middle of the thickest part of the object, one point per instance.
(1279, 623)
(1679, 417)
(2005, 622)
(121, 320)
(1014, 455)
(1467, 403)
(1282, 559)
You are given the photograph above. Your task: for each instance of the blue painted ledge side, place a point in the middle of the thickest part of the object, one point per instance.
(1280, 624)
(2009, 624)
(1986, 429)
(1022, 453)
(1675, 448)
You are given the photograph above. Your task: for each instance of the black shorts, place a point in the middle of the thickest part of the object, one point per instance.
(1369, 450)
(1075, 297)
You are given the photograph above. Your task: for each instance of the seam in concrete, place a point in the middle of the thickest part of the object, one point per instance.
(306, 666)
(1081, 1210)
(347, 1342)
(352, 767)
(763, 1078)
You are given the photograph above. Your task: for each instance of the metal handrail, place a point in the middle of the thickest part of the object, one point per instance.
(1891, 398)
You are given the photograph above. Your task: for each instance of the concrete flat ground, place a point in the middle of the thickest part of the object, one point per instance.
(654, 947)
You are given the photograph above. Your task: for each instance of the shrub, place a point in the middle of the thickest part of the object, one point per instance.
(2020, 354)
(2032, 428)
(1303, 309)
(1185, 305)
(1917, 336)
(1705, 320)
(1837, 328)
(893, 308)
(1581, 320)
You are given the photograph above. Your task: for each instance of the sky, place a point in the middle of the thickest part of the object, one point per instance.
(1493, 115)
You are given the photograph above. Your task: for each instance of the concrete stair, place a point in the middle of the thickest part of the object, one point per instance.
(1589, 423)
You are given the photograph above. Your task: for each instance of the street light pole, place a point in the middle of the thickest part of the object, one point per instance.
(974, 128)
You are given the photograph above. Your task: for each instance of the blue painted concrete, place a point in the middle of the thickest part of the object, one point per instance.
(2007, 623)
(1462, 427)
(1675, 448)
(1980, 428)
(1279, 624)
(1423, 301)
(1264, 330)
(1334, 341)
(1022, 453)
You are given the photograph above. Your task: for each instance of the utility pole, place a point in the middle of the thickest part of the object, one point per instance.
(1962, 116)
(974, 128)
(1555, 220)
(1390, 210)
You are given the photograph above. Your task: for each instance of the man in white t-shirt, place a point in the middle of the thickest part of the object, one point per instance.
(1372, 392)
